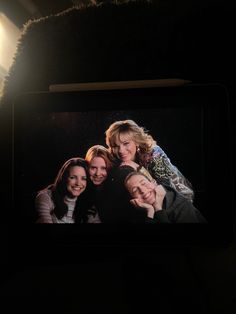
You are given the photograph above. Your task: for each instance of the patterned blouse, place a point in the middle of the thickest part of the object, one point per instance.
(162, 170)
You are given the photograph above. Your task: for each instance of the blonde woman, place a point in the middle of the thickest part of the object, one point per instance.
(133, 146)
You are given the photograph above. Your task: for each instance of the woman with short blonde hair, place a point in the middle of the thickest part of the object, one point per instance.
(144, 141)
(132, 145)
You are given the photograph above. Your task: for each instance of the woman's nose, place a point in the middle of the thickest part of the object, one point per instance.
(79, 182)
(121, 149)
(97, 173)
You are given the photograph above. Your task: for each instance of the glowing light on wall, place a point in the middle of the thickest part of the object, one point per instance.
(9, 35)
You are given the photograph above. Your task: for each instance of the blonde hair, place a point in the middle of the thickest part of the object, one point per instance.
(100, 151)
(144, 141)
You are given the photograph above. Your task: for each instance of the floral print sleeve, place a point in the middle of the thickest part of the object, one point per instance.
(162, 170)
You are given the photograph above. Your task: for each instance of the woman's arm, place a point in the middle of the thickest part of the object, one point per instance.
(44, 206)
(162, 170)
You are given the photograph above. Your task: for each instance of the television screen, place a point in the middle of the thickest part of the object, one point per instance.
(190, 123)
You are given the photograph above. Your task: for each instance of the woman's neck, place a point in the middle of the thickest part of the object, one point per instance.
(70, 198)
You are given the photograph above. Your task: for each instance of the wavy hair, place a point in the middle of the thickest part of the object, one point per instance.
(138, 134)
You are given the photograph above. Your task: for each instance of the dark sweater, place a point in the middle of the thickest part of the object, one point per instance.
(113, 200)
(177, 209)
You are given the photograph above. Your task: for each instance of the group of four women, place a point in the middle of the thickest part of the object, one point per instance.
(132, 180)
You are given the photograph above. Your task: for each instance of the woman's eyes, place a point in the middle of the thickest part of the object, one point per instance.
(74, 177)
(94, 168)
(117, 146)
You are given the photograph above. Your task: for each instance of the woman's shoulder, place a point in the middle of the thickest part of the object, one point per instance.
(157, 151)
(45, 194)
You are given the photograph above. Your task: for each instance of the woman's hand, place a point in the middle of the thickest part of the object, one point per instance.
(130, 163)
(160, 195)
(149, 208)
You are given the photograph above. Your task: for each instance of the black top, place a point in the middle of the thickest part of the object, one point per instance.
(113, 200)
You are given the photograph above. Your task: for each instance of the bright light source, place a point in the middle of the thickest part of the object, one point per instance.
(9, 35)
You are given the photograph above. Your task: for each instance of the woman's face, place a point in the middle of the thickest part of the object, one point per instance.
(76, 181)
(97, 170)
(125, 148)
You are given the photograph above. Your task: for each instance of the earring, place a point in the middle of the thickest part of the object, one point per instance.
(138, 149)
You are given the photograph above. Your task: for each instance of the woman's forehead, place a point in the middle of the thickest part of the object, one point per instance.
(77, 169)
(124, 136)
(97, 160)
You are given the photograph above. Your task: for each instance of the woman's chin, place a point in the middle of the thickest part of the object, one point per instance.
(73, 195)
(95, 182)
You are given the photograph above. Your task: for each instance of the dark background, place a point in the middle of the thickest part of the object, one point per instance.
(172, 280)
(61, 136)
